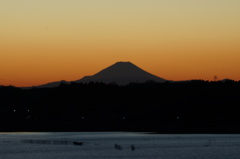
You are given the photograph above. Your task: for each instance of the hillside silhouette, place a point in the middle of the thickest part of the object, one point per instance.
(120, 73)
(182, 107)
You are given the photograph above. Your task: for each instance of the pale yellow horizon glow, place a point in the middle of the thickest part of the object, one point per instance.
(51, 40)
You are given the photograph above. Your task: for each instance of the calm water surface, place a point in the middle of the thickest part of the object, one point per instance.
(101, 145)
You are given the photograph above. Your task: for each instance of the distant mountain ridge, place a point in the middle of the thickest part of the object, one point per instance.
(53, 84)
(121, 73)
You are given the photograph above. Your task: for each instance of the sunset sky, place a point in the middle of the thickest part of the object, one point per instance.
(43, 41)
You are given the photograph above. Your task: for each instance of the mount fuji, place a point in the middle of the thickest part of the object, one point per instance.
(121, 73)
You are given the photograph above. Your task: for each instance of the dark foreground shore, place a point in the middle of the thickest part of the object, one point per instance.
(171, 107)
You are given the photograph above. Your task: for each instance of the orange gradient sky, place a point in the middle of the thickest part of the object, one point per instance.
(43, 41)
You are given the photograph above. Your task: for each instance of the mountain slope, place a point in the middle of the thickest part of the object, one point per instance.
(122, 73)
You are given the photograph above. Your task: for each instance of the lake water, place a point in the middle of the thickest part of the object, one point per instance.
(116, 145)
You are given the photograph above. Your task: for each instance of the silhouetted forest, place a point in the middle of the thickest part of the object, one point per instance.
(172, 107)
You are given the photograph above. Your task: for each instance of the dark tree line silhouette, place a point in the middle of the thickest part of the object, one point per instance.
(172, 107)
